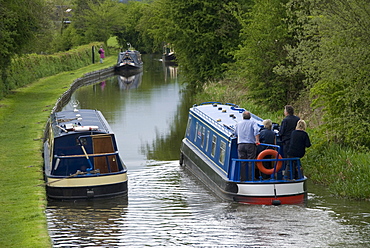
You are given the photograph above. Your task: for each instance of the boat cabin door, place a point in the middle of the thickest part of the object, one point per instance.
(104, 144)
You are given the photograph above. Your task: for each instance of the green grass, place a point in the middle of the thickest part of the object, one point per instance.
(231, 92)
(343, 170)
(23, 115)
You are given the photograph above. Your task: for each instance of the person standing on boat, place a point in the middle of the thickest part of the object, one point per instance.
(102, 54)
(267, 136)
(288, 124)
(299, 140)
(247, 133)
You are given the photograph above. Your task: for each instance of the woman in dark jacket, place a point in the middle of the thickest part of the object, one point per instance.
(299, 140)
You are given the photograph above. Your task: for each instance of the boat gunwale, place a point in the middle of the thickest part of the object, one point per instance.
(124, 171)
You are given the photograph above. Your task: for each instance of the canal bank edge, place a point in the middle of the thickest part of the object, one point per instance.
(23, 115)
(88, 78)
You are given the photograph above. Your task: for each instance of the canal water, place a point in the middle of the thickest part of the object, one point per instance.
(168, 207)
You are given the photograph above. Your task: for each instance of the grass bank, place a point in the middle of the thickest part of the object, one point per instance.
(344, 171)
(23, 114)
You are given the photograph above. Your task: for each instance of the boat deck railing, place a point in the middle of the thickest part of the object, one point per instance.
(84, 156)
(291, 170)
(84, 161)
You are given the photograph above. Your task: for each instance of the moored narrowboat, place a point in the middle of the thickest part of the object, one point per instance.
(81, 158)
(209, 150)
(129, 63)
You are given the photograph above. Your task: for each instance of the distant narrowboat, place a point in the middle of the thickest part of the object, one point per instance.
(81, 158)
(129, 63)
(168, 56)
(209, 151)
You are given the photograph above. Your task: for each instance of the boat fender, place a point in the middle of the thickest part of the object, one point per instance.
(265, 153)
(85, 128)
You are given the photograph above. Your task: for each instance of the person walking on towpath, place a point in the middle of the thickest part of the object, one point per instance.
(247, 133)
(102, 54)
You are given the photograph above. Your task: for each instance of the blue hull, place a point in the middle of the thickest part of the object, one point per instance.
(209, 151)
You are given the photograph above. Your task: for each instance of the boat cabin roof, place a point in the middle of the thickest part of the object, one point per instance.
(65, 122)
(133, 54)
(223, 116)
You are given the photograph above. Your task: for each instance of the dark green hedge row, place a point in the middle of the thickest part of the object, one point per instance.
(26, 69)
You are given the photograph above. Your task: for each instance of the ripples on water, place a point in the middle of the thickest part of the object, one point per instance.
(168, 207)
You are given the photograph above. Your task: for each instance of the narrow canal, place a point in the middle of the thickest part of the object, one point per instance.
(168, 207)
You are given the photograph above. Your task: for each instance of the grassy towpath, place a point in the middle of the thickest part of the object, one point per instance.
(23, 115)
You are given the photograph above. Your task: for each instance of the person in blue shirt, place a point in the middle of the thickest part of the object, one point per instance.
(247, 133)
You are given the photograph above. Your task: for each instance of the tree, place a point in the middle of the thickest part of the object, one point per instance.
(21, 22)
(96, 20)
(265, 34)
(343, 88)
(203, 33)
(135, 28)
(102, 19)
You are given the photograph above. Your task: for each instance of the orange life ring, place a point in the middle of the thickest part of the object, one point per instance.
(265, 153)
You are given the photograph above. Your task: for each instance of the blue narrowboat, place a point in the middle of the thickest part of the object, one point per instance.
(209, 151)
(81, 158)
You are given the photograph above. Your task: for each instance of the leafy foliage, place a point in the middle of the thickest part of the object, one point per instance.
(97, 20)
(21, 23)
(134, 29)
(26, 69)
(343, 86)
(265, 36)
(203, 34)
(312, 45)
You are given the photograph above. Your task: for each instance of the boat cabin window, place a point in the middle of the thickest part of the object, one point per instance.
(222, 152)
(197, 129)
(214, 140)
(188, 127)
(203, 136)
(82, 140)
(207, 141)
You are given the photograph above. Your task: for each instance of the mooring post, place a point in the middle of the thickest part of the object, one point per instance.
(93, 54)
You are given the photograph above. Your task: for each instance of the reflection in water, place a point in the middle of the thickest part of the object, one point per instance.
(72, 223)
(130, 82)
(170, 71)
(167, 206)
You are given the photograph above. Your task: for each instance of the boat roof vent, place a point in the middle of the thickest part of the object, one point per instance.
(224, 111)
(219, 108)
(218, 120)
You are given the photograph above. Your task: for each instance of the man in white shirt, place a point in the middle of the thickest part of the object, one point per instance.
(247, 133)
